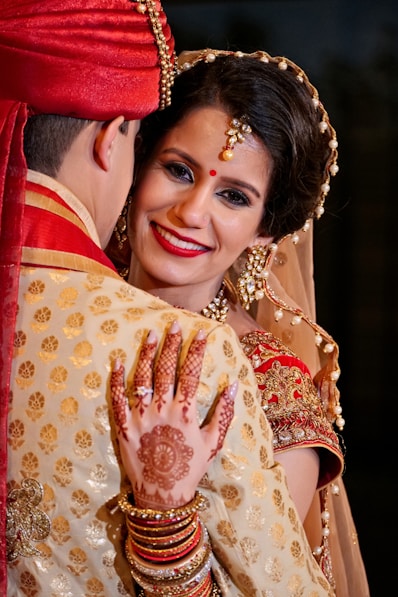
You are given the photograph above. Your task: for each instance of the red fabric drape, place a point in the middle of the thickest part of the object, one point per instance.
(12, 182)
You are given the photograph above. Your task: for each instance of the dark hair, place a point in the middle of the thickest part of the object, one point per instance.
(280, 110)
(48, 137)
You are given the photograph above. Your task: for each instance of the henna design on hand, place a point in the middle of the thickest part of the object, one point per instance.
(165, 456)
(142, 386)
(226, 416)
(190, 373)
(119, 399)
(166, 367)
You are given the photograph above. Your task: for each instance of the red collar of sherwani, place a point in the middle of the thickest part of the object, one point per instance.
(55, 236)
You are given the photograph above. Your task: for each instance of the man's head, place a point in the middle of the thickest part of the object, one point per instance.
(82, 59)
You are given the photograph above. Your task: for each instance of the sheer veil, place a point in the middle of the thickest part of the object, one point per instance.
(288, 310)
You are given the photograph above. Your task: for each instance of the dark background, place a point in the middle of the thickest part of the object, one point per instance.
(349, 49)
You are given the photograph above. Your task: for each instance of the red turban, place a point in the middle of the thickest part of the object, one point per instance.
(94, 59)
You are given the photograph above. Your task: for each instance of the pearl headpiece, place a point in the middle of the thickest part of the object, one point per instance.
(188, 59)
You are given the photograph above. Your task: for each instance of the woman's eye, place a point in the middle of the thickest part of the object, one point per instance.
(234, 197)
(179, 171)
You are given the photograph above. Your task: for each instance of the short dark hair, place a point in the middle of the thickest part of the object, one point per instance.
(48, 137)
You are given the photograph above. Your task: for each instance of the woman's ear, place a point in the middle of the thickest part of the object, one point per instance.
(104, 140)
(261, 240)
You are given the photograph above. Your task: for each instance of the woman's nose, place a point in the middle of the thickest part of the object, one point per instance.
(193, 209)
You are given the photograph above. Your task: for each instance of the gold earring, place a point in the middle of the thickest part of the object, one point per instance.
(250, 283)
(120, 229)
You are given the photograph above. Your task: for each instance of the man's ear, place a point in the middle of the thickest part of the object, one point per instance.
(104, 140)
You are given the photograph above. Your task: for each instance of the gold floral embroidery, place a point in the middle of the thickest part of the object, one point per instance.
(67, 298)
(82, 354)
(78, 559)
(248, 438)
(69, 409)
(255, 518)
(19, 343)
(250, 550)
(49, 347)
(74, 325)
(25, 374)
(48, 437)
(64, 472)
(94, 282)
(34, 292)
(16, 433)
(60, 531)
(26, 523)
(80, 503)
(108, 332)
(58, 378)
(100, 305)
(30, 465)
(41, 319)
(92, 385)
(230, 496)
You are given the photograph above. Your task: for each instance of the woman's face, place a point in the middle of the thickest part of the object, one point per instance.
(193, 213)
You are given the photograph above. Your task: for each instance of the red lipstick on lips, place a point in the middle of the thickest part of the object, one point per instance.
(173, 249)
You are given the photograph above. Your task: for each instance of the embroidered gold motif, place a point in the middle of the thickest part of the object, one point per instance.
(41, 319)
(67, 298)
(48, 437)
(19, 342)
(58, 377)
(26, 523)
(16, 433)
(49, 348)
(82, 354)
(92, 385)
(100, 305)
(25, 374)
(69, 409)
(74, 325)
(94, 282)
(34, 292)
(230, 496)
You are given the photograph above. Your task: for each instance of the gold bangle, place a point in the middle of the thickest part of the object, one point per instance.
(180, 569)
(165, 529)
(174, 514)
(163, 551)
(160, 539)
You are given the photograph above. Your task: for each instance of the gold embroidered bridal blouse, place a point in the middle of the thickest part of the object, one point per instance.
(64, 529)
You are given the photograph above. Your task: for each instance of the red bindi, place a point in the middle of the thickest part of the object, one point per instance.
(213, 172)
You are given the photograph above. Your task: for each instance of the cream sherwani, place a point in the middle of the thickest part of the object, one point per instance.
(66, 532)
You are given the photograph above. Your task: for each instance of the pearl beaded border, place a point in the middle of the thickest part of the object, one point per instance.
(167, 60)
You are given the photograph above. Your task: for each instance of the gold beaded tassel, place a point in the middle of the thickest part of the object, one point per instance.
(167, 62)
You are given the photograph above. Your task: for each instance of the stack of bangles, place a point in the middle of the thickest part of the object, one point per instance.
(169, 550)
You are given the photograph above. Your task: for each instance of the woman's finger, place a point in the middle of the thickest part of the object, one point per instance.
(222, 417)
(119, 399)
(142, 383)
(190, 372)
(166, 367)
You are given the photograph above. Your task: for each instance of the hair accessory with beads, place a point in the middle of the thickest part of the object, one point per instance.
(189, 59)
(237, 132)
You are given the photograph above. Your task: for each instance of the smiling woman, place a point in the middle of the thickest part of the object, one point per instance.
(241, 160)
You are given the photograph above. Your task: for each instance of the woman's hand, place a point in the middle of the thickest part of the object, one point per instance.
(164, 450)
